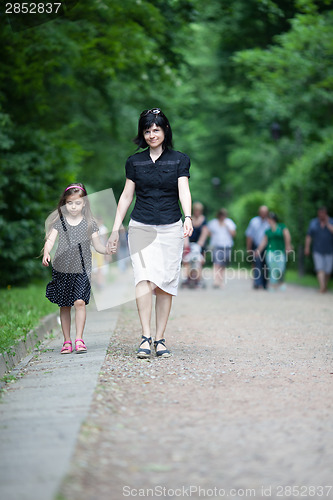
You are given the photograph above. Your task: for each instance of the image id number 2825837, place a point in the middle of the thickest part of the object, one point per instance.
(32, 8)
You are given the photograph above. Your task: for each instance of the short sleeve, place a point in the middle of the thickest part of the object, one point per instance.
(249, 229)
(130, 173)
(94, 227)
(310, 229)
(184, 166)
(231, 225)
(57, 225)
(210, 225)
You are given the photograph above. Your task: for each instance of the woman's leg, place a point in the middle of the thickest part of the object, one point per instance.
(275, 267)
(144, 294)
(218, 275)
(162, 312)
(80, 320)
(281, 265)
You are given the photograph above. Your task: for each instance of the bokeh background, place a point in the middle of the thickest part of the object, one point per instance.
(247, 86)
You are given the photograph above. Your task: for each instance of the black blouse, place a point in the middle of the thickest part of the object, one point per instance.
(156, 185)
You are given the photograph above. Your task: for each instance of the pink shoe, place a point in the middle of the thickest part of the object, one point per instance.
(65, 349)
(81, 348)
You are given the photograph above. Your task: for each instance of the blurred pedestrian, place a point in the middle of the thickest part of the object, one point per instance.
(198, 237)
(70, 286)
(277, 242)
(159, 177)
(320, 236)
(254, 234)
(222, 231)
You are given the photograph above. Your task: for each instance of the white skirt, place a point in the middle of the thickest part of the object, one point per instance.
(156, 253)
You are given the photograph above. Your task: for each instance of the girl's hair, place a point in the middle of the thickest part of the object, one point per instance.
(151, 117)
(73, 188)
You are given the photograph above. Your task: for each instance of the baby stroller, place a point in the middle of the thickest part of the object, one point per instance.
(194, 259)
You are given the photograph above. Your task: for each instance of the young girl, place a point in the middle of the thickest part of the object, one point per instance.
(71, 267)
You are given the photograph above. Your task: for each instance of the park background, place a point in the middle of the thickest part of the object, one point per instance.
(247, 86)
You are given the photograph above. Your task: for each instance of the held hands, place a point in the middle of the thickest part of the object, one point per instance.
(112, 243)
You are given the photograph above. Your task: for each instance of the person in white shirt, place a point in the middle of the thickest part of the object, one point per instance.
(222, 231)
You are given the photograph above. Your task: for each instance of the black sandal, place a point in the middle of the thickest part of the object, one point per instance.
(144, 353)
(165, 353)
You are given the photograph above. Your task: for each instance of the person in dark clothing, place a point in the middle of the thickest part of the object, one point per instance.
(159, 178)
(320, 236)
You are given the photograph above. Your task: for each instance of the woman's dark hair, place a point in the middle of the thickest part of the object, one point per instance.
(273, 216)
(151, 117)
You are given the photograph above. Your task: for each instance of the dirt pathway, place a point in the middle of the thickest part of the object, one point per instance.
(243, 408)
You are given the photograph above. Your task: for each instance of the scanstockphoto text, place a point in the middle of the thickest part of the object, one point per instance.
(264, 491)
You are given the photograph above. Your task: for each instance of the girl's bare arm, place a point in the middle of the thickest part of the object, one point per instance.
(48, 247)
(97, 244)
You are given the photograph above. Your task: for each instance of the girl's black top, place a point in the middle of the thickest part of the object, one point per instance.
(156, 185)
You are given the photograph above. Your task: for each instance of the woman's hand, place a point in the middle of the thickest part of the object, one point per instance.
(188, 228)
(112, 243)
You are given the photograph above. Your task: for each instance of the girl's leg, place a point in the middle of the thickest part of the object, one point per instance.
(80, 321)
(144, 295)
(65, 319)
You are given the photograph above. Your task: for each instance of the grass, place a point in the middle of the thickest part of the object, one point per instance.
(308, 280)
(21, 310)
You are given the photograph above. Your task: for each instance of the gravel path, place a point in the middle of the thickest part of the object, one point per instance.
(242, 409)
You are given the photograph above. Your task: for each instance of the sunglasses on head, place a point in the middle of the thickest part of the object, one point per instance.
(154, 111)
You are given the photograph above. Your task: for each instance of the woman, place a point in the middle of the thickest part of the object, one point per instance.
(159, 178)
(223, 232)
(278, 242)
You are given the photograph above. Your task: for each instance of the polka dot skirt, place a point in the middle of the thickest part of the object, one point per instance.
(65, 288)
(71, 268)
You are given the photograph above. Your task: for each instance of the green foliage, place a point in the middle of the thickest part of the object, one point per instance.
(243, 210)
(224, 72)
(70, 91)
(291, 83)
(21, 311)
